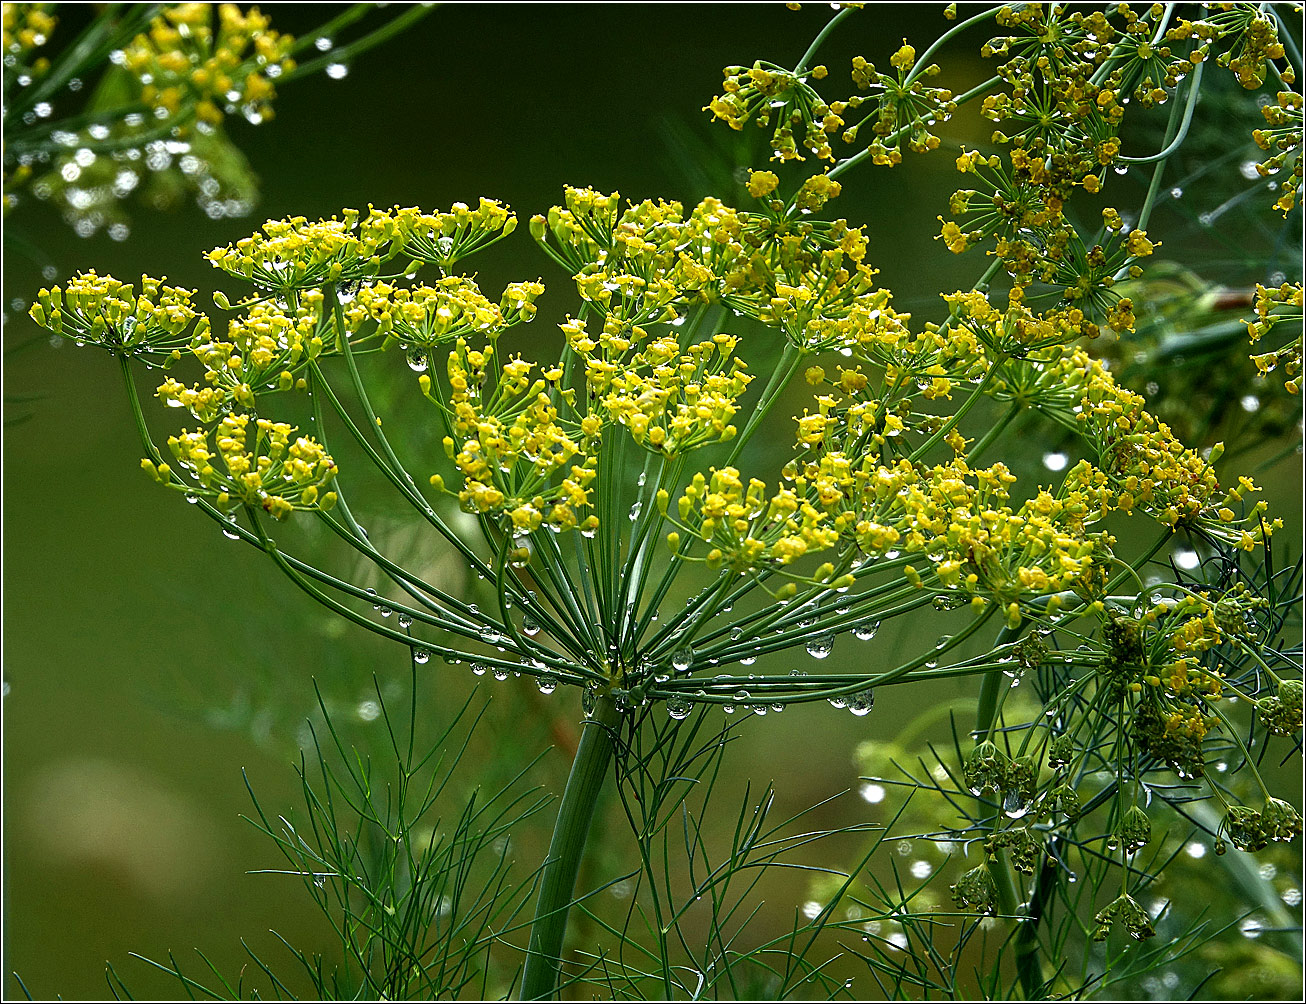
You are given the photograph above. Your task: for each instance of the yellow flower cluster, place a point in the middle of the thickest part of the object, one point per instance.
(294, 254)
(278, 472)
(671, 401)
(1020, 211)
(644, 264)
(744, 529)
(267, 348)
(956, 516)
(1147, 467)
(765, 92)
(1275, 306)
(27, 26)
(444, 238)
(153, 326)
(424, 316)
(1281, 139)
(508, 443)
(903, 108)
(182, 60)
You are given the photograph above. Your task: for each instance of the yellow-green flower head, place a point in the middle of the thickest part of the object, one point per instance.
(443, 239)
(1277, 306)
(276, 471)
(1146, 467)
(765, 92)
(27, 26)
(673, 401)
(517, 460)
(642, 264)
(294, 254)
(153, 327)
(183, 62)
(266, 349)
(425, 316)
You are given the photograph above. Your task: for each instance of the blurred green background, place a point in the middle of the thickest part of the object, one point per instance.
(148, 660)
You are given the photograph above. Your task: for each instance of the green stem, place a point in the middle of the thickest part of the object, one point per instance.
(996, 430)
(344, 53)
(789, 360)
(819, 40)
(992, 688)
(942, 40)
(558, 879)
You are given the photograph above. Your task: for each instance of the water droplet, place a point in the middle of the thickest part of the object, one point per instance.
(322, 43)
(417, 361)
(479, 668)
(192, 499)
(860, 704)
(678, 708)
(337, 71)
(1055, 461)
(873, 793)
(490, 634)
(1186, 559)
(1013, 806)
(635, 510)
(368, 711)
(547, 684)
(866, 630)
(1251, 928)
(820, 646)
(747, 660)
(1176, 192)
(682, 659)
(838, 701)
(404, 621)
(529, 627)
(421, 656)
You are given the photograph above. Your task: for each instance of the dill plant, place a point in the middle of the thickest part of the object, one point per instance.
(608, 483)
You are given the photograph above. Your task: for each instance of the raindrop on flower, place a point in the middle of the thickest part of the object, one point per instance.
(417, 361)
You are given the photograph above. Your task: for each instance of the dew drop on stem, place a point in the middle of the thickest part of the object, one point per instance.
(820, 646)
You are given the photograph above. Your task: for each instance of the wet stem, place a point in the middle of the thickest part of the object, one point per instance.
(566, 848)
(993, 687)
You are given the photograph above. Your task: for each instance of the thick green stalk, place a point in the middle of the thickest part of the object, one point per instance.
(992, 688)
(558, 880)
